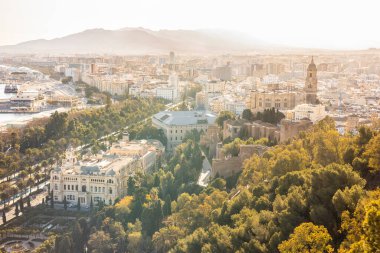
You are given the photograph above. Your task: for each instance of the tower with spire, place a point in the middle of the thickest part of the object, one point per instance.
(311, 81)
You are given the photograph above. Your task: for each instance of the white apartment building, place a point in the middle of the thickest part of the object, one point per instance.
(74, 73)
(236, 107)
(169, 93)
(313, 112)
(176, 124)
(109, 84)
(103, 177)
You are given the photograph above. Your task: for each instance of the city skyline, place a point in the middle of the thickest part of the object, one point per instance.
(325, 25)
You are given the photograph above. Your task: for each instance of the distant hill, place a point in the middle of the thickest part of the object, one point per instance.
(142, 41)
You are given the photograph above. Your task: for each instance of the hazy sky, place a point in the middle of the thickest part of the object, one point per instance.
(319, 23)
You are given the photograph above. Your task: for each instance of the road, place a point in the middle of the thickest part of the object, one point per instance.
(34, 202)
(204, 177)
(27, 190)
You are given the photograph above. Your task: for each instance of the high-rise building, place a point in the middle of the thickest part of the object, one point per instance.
(171, 58)
(201, 100)
(311, 81)
(223, 73)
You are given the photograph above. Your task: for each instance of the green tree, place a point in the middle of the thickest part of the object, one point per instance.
(307, 237)
(131, 186)
(223, 116)
(64, 203)
(101, 242)
(78, 238)
(372, 153)
(167, 209)
(371, 226)
(247, 114)
(16, 210)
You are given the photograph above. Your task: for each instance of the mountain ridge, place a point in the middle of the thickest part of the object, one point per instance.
(139, 40)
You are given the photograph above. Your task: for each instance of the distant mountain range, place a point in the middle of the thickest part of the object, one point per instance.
(143, 41)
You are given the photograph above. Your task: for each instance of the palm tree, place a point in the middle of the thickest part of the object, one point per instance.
(30, 182)
(13, 191)
(23, 174)
(37, 168)
(37, 177)
(5, 194)
(13, 167)
(20, 185)
(29, 170)
(51, 162)
(44, 165)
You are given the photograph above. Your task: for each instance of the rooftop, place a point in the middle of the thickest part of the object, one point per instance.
(181, 118)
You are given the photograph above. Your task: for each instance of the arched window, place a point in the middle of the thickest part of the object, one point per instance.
(83, 188)
(110, 190)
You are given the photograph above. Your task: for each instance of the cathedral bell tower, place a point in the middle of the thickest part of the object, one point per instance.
(311, 81)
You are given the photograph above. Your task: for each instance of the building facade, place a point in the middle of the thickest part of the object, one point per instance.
(176, 124)
(280, 99)
(103, 177)
(310, 111)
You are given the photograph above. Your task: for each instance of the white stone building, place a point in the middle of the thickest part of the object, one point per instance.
(313, 112)
(103, 177)
(176, 124)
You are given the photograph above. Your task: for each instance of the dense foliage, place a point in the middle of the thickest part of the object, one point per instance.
(272, 115)
(317, 194)
(301, 195)
(130, 224)
(40, 144)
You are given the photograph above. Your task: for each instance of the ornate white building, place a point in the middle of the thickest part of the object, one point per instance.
(103, 177)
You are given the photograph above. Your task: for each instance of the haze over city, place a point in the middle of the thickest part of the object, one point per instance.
(308, 24)
(202, 126)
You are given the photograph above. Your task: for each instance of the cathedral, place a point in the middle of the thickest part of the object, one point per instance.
(310, 88)
(283, 99)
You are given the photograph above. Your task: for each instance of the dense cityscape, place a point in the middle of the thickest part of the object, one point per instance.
(210, 146)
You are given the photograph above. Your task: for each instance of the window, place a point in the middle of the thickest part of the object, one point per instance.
(64, 187)
(68, 187)
(76, 187)
(96, 189)
(104, 189)
(110, 201)
(91, 188)
(56, 187)
(83, 188)
(70, 197)
(110, 190)
(56, 198)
